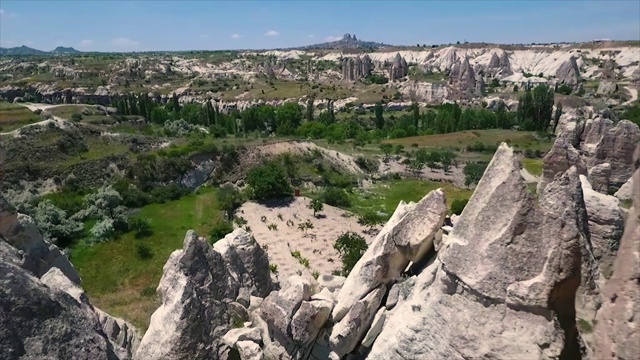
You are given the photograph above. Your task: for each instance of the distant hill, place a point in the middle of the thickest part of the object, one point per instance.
(65, 50)
(347, 42)
(26, 51)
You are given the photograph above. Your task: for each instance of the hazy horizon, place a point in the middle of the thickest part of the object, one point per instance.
(124, 26)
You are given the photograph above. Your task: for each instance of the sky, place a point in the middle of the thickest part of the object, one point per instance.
(217, 25)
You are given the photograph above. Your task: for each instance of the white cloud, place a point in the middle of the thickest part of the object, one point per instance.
(236, 36)
(124, 43)
(333, 38)
(86, 43)
(271, 33)
(4, 14)
(1, 12)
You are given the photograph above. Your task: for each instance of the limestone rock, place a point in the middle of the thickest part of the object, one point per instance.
(415, 232)
(605, 225)
(232, 337)
(617, 327)
(347, 333)
(197, 284)
(513, 277)
(246, 260)
(278, 308)
(599, 177)
(249, 350)
(626, 190)
(121, 333)
(331, 282)
(571, 126)
(40, 322)
(376, 327)
(21, 232)
(381, 263)
(309, 320)
(569, 74)
(616, 147)
(558, 160)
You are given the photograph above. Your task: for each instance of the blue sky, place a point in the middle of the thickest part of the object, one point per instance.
(212, 25)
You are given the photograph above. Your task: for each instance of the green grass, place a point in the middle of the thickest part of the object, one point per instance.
(533, 166)
(461, 139)
(13, 116)
(98, 149)
(386, 196)
(121, 283)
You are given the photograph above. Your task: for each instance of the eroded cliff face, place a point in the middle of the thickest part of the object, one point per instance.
(44, 312)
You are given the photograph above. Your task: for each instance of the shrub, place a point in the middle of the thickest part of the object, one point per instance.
(370, 219)
(141, 226)
(273, 268)
(55, 225)
(143, 251)
(473, 172)
(458, 205)
(367, 165)
(76, 117)
(103, 230)
(350, 246)
(336, 197)
(229, 199)
(268, 182)
(316, 206)
(219, 231)
(564, 89)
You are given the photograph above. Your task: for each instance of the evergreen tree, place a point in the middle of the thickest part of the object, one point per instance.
(379, 117)
(309, 110)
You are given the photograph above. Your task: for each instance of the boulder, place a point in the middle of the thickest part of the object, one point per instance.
(122, 334)
(197, 284)
(506, 282)
(331, 282)
(42, 322)
(569, 74)
(626, 190)
(571, 125)
(558, 160)
(616, 331)
(278, 308)
(376, 327)
(309, 320)
(21, 232)
(616, 147)
(348, 333)
(232, 337)
(414, 234)
(606, 225)
(599, 177)
(249, 350)
(406, 237)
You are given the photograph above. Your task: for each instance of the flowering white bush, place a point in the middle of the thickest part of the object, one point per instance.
(102, 230)
(54, 224)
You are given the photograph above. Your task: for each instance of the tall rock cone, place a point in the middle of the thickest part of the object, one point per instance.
(504, 284)
(618, 321)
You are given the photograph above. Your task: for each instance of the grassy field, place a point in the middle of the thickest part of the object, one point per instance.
(534, 166)
(386, 196)
(461, 139)
(118, 280)
(13, 116)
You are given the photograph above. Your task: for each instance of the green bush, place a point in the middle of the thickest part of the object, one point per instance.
(76, 117)
(143, 251)
(316, 206)
(370, 219)
(350, 246)
(219, 231)
(458, 205)
(564, 89)
(229, 199)
(269, 181)
(473, 172)
(141, 226)
(336, 197)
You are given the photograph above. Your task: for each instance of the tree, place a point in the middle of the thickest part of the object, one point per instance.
(399, 149)
(269, 181)
(316, 206)
(416, 166)
(415, 113)
(458, 205)
(386, 149)
(379, 117)
(535, 109)
(446, 159)
(229, 199)
(288, 118)
(141, 226)
(473, 172)
(350, 246)
(309, 109)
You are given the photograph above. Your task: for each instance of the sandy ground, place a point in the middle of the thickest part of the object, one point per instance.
(634, 95)
(455, 175)
(61, 123)
(343, 161)
(528, 177)
(317, 245)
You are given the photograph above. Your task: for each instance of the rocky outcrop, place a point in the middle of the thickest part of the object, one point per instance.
(615, 146)
(626, 190)
(463, 77)
(605, 225)
(569, 74)
(398, 68)
(21, 232)
(519, 308)
(599, 176)
(616, 330)
(558, 160)
(607, 85)
(197, 285)
(400, 241)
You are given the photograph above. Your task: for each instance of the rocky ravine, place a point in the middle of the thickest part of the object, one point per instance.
(503, 284)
